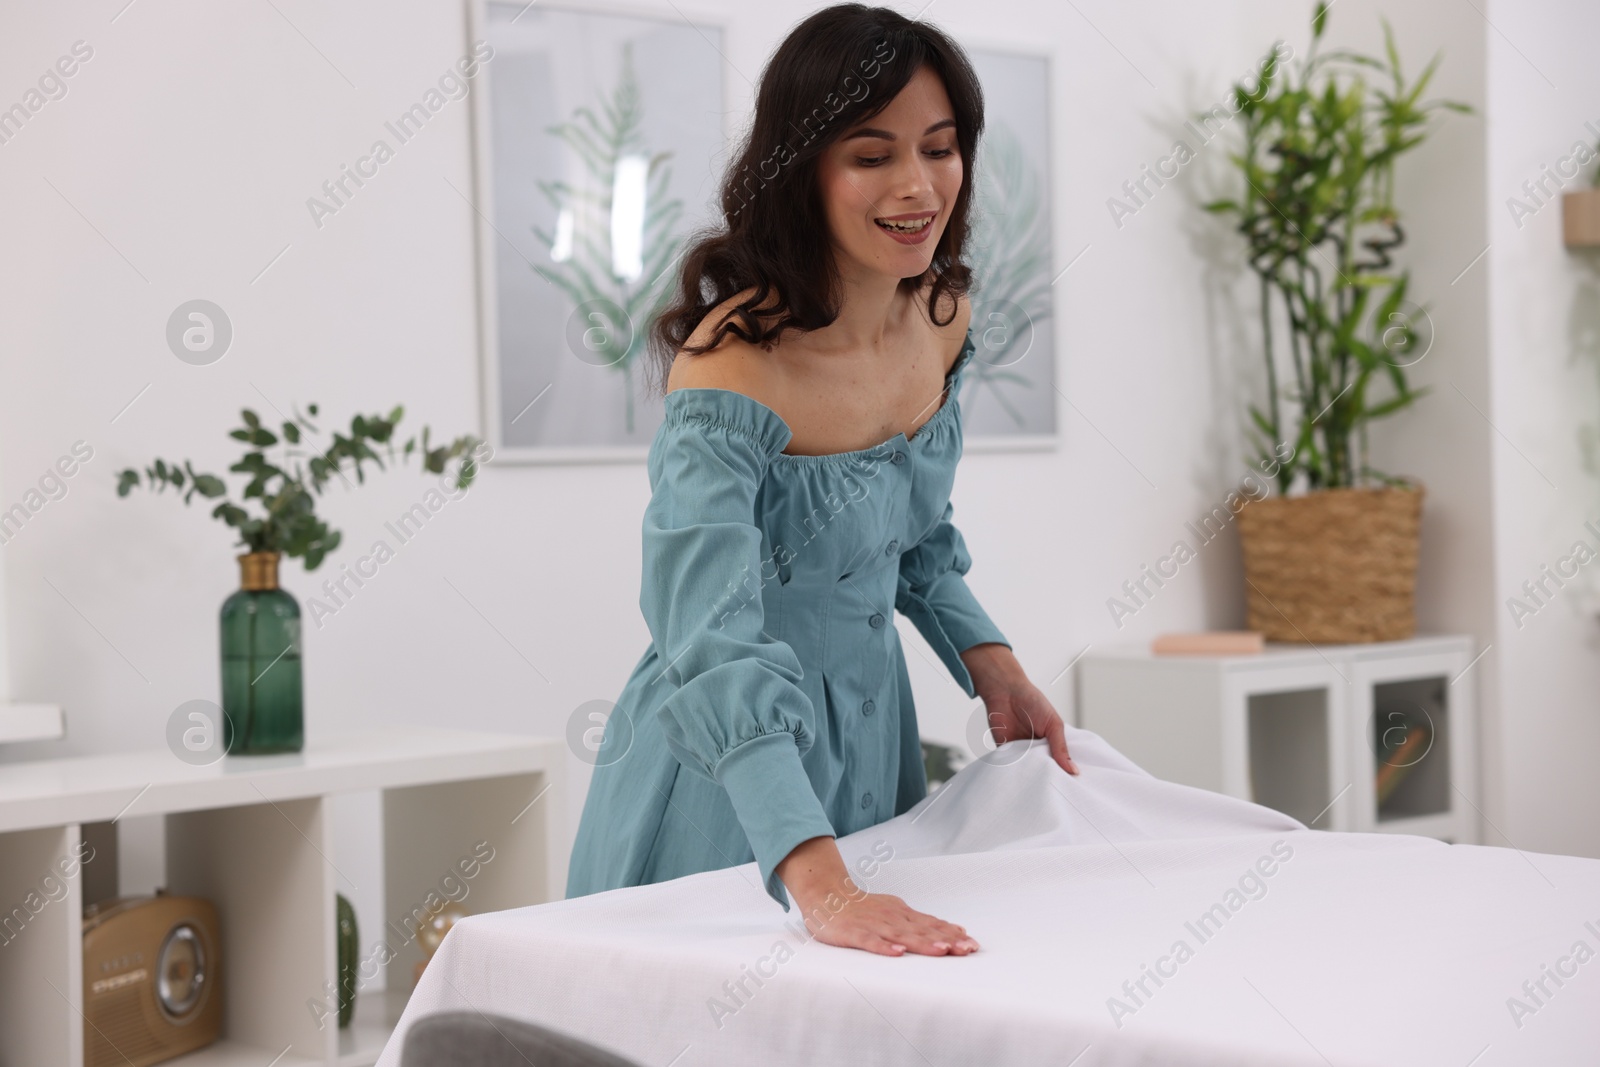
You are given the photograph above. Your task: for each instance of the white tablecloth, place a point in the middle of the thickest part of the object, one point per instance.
(1087, 894)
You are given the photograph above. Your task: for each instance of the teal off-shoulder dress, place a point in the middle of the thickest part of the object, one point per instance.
(773, 704)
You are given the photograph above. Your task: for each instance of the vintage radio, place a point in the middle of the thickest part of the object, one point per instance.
(151, 969)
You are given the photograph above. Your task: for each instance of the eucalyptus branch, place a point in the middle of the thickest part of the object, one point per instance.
(286, 491)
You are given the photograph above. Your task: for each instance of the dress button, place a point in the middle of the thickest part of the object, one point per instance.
(868, 708)
(893, 547)
(876, 621)
(866, 800)
(897, 458)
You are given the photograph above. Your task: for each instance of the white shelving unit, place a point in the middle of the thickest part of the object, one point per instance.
(1295, 728)
(251, 834)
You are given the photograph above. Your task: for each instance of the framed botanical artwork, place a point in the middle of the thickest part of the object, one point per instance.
(599, 141)
(1009, 394)
(599, 138)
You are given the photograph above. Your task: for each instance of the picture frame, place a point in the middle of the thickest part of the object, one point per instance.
(612, 71)
(1010, 397)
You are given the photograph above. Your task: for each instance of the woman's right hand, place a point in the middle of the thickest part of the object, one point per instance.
(838, 912)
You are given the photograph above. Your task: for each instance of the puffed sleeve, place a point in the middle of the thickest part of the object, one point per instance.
(932, 592)
(738, 715)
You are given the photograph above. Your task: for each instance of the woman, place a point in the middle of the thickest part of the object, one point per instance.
(801, 482)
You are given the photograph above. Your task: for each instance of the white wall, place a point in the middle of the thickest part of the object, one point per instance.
(1544, 313)
(187, 147)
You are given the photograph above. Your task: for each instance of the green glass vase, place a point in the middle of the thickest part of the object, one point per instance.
(262, 697)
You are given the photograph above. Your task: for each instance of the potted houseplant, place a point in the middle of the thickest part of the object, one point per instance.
(1332, 557)
(275, 516)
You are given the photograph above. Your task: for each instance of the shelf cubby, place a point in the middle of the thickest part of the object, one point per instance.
(40, 971)
(1290, 751)
(1403, 708)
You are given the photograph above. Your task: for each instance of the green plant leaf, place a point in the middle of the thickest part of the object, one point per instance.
(1319, 20)
(1390, 49)
(209, 485)
(231, 514)
(1390, 406)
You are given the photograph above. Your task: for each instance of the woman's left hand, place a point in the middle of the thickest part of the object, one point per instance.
(1017, 709)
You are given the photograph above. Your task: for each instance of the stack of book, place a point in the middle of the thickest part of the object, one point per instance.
(1209, 643)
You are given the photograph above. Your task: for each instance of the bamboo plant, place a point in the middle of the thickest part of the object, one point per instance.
(1316, 209)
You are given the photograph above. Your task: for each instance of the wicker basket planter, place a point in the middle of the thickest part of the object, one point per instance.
(1337, 566)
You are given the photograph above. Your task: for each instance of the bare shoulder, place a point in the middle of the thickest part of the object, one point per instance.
(734, 364)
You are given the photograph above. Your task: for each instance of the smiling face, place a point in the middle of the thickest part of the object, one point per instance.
(889, 184)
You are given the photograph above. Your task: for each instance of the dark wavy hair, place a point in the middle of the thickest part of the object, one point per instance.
(839, 67)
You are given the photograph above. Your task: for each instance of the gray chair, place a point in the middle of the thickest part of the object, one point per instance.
(472, 1039)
